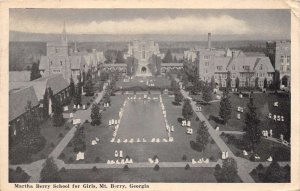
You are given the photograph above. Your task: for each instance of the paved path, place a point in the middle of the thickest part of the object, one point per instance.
(244, 166)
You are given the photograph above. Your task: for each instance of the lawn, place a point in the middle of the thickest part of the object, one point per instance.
(140, 152)
(166, 175)
(264, 149)
(264, 104)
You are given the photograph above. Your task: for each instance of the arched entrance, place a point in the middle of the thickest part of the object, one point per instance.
(144, 69)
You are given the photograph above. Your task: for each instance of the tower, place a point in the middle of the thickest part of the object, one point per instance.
(64, 33)
(209, 41)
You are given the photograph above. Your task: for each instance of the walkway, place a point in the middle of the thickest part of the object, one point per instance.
(244, 166)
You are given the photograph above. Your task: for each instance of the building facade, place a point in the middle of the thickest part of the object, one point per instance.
(279, 53)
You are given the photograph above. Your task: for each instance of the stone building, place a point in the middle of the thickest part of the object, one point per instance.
(279, 53)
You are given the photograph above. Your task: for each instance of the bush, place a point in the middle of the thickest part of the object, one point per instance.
(155, 157)
(187, 167)
(19, 169)
(67, 127)
(260, 167)
(52, 145)
(197, 118)
(86, 121)
(238, 153)
(88, 104)
(126, 168)
(156, 167)
(251, 158)
(97, 159)
(127, 157)
(60, 135)
(69, 144)
(254, 172)
(71, 160)
(211, 158)
(63, 170)
(223, 134)
(94, 169)
(212, 141)
(184, 158)
(62, 156)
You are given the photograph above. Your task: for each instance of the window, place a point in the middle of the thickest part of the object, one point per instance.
(260, 67)
(206, 57)
(281, 59)
(206, 63)
(246, 67)
(61, 63)
(288, 60)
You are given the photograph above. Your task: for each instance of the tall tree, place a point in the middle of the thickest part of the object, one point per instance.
(276, 80)
(256, 82)
(120, 57)
(237, 82)
(50, 172)
(229, 170)
(228, 81)
(95, 115)
(225, 107)
(273, 173)
(207, 93)
(265, 83)
(88, 88)
(35, 72)
(79, 140)
(252, 129)
(58, 119)
(202, 136)
(168, 57)
(77, 97)
(187, 110)
(178, 97)
(212, 83)
(72, 87)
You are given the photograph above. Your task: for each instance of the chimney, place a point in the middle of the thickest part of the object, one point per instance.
(209, 41)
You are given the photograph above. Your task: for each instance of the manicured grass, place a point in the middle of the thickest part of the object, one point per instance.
(140, 152)
(53, 136)
(15, 176)
(264, 104)
(264, 149)
(165, 175)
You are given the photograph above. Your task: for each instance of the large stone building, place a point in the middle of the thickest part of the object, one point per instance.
(250, 71)
(143, 50)
(279, 53)
(71, 63)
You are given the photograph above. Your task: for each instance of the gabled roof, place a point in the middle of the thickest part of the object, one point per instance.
(221, 61)
(19, 99)
(252, 62)
(171, 64)
(56, 82)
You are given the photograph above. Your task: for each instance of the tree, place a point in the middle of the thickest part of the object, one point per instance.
(256, 82)
(95, 115)
(207, 93)
(212, 83)
(276, 80)
(88, 88)
(35, 72)
(50, 172)
(273, 173)
(72, 87)
(178, 97)
(229, 170)
(58, 119)
(168, 57)
(228, 81)
(187, 111)
(120, 57)
(265, 83)
(252, 130)
(237, 82)
(79, 140)
(77, 97)
(225, 107)
(202, 136)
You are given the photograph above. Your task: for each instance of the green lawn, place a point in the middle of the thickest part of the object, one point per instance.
(140, 152)
(166, 175)
(264, 149)
(264, 104)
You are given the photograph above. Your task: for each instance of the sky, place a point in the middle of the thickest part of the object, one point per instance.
(249, 24)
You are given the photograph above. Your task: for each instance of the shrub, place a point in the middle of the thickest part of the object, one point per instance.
(126, 168)
(19, 169)
(197, 118)
(187, 167)
(52, 145)
(155, 157)
(86, 121)
(260, 167)
(71, 160)
(127, 157)
(63, 170)
(254, 172)
(217, 167)
(156, 167)
(251, 158)
(223, 134)
(211, 158)
(88, 104)
(62, 156)
(69, 144)
(184, 158)
(67, 127)
(60, 135)
(212, 141)
(97, 159)
(94, 169)
(238, 153)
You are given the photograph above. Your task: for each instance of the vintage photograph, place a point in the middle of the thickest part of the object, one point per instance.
(149, 95)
